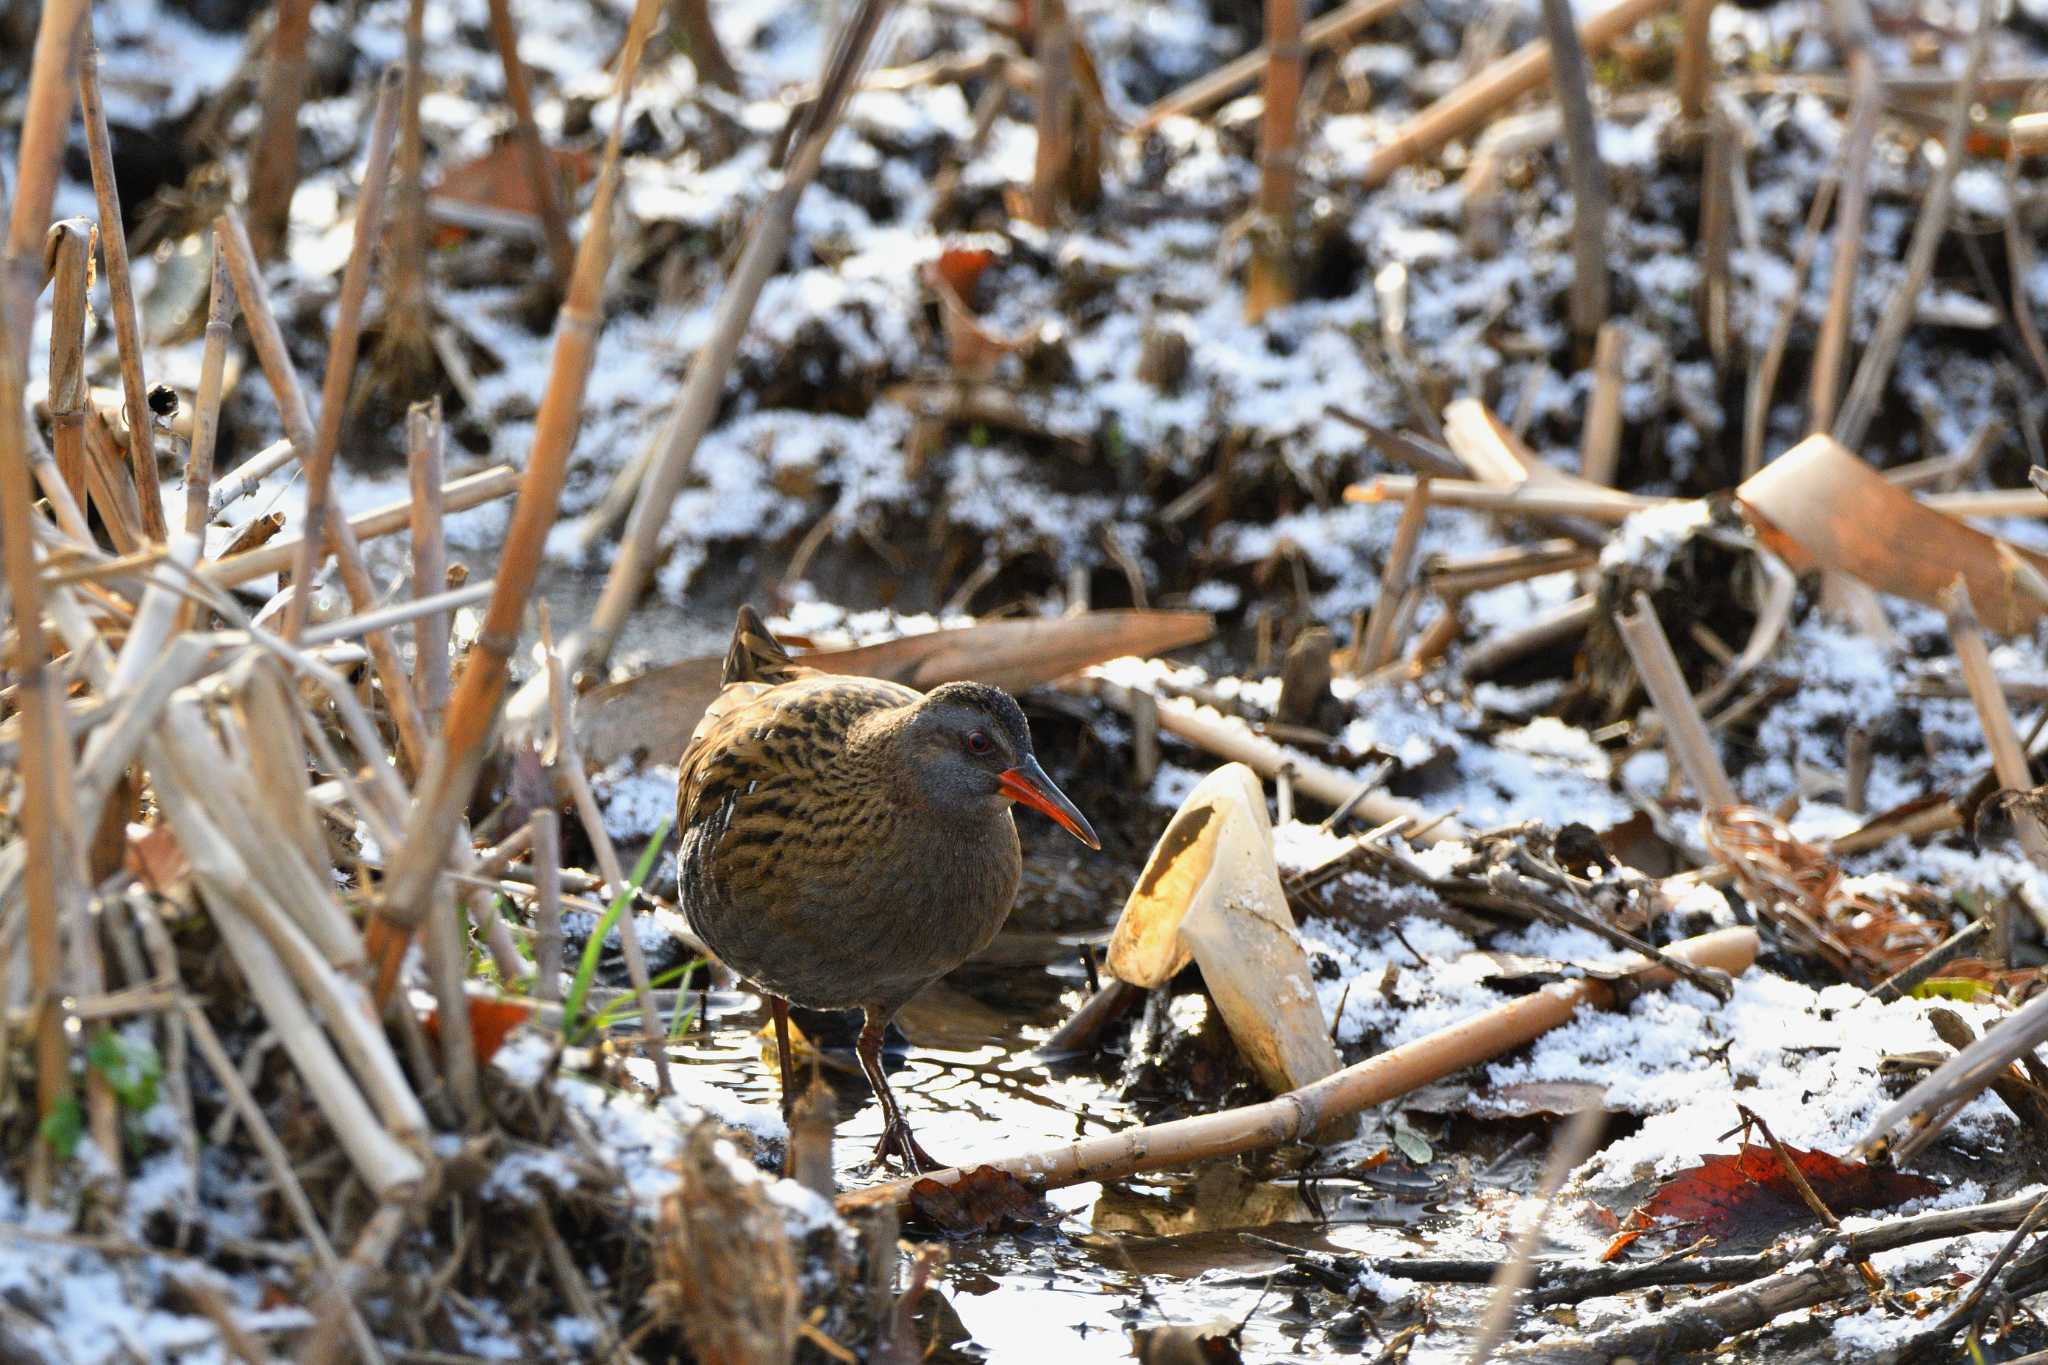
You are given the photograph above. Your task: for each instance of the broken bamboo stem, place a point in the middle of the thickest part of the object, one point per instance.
(1685, 733)
(206, 421)
(1298, 1114)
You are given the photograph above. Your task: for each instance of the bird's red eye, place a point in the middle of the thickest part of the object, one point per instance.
(978, 742)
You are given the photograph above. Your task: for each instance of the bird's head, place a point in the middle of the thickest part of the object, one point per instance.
(969, 744)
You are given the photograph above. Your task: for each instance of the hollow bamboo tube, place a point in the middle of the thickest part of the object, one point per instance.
(1296, 1115)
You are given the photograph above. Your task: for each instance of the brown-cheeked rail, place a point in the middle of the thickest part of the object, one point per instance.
(846, 842)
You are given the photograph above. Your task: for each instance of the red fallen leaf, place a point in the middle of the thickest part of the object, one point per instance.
(491, 1021)
(498, 180)
(960, 268)
(981, 1200)
(1747, 1195)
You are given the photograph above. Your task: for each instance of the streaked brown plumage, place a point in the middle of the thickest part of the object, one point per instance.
(845, 842)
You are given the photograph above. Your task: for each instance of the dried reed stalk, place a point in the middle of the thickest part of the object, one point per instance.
(1763, 374)
(1493, 89)
(291, 406)
(569, 767)
(1053, 47)
(1874, 370)
(445, 787)
(1235, 743)
(1600, 440)
(121, 291)
(242, 480)
(697, 404)
(1831, 351)
(1695, 58)
(1269, 282)
(1397, 577)
(45, 752)
(540, 167)
(274, 165)
(1296, 1115)
(547, 905)
(458, 495)
(1572, 81)
(341, 352)
(206, 421)
(1524, 499)
(1717, 214)
(430, 635)
(1553, 627)
(68, 251)
(1208, 91)
(1685, 733)
(2008, 753)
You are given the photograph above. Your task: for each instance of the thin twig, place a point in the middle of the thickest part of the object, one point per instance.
(121, 290)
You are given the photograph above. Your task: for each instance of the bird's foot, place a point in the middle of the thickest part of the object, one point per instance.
(898, 1141)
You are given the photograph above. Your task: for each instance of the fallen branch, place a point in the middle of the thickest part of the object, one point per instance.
(1298, 1114)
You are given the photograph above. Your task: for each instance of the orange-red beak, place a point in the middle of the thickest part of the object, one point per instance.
(1028, 783)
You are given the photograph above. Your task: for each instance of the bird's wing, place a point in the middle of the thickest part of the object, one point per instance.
(761, 747)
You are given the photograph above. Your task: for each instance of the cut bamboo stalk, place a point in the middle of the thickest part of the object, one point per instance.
(1207, 91)
(1685, 733)
(1831, 351)
(1270, 280)
(274, 165)
(430, 634)
(1397, 576)
(1297, 1115)
(121, 292)
(341, 357)
(69, 252)
(1572, 81)
(697, 403)
(459, 495)
(206, 422)
(1874, 370)
(445, 787)
(540, 167)
(1493, 89)
(48, 105)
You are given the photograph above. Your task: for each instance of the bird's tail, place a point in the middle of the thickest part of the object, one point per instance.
(756, 655)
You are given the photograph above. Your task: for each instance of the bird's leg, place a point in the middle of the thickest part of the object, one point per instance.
(897, 1139)
(780, 1008)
